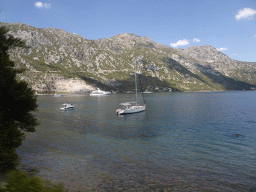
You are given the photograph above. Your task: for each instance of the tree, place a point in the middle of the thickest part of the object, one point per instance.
(17, 102)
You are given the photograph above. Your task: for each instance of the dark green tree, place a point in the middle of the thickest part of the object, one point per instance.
(18, 101)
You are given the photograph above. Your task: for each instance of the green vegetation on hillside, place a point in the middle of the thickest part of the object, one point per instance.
(105, 60)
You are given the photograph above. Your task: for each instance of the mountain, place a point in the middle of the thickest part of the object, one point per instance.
(59, 61)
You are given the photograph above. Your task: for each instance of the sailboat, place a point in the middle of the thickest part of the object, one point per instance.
(130, 107)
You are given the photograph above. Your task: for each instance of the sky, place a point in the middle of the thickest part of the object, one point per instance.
(227, 25)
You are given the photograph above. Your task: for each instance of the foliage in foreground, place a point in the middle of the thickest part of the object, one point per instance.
(17, 103)
(18, 181)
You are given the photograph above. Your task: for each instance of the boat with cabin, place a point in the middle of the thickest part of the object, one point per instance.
(131, 107)
(67, 106)
(147, 91)
(57, 95)
(99, 92)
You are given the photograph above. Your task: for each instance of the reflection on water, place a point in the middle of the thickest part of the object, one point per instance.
(183, 141)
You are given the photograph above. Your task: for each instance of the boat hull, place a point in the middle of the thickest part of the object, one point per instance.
(67, 108)
(130, 111)
(100, 94)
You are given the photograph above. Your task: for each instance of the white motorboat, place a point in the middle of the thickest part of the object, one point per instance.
(68, 106)
(57, 95)
(147, 91)
(130, 107)
(99, 92)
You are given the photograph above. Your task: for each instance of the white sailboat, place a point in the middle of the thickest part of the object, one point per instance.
(130, 107)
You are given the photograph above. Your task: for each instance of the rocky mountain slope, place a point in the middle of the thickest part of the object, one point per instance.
(58, 61)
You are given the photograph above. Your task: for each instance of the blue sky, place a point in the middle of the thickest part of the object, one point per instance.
(228, 25)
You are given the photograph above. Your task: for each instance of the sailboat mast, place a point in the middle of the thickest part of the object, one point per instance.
(135, 81)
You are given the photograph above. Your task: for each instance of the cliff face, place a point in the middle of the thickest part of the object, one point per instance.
(56, 56)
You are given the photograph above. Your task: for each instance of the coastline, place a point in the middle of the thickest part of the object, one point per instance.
(201, 91)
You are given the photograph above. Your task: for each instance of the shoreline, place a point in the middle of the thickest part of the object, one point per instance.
(152, 92)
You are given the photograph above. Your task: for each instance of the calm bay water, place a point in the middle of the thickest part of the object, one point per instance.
(183, 142)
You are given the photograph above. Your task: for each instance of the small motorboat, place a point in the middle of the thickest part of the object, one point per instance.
(57, 95)
(99, 92)
(147, 91)
(68, 106)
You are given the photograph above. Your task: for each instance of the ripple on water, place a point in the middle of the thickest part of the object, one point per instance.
(183, 147)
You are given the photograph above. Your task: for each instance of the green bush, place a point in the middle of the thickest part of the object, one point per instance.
(18, 181)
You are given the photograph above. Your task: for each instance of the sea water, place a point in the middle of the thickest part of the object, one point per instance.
(183, 141)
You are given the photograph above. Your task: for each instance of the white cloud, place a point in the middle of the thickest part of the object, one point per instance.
(196, 40)
(180, 43)
(255, 35)
(222, 49)
(245, 13)
(40, 5)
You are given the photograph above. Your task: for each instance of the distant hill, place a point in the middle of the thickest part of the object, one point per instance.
(76, 64)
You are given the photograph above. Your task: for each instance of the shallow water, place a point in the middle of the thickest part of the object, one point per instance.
(183, 142)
